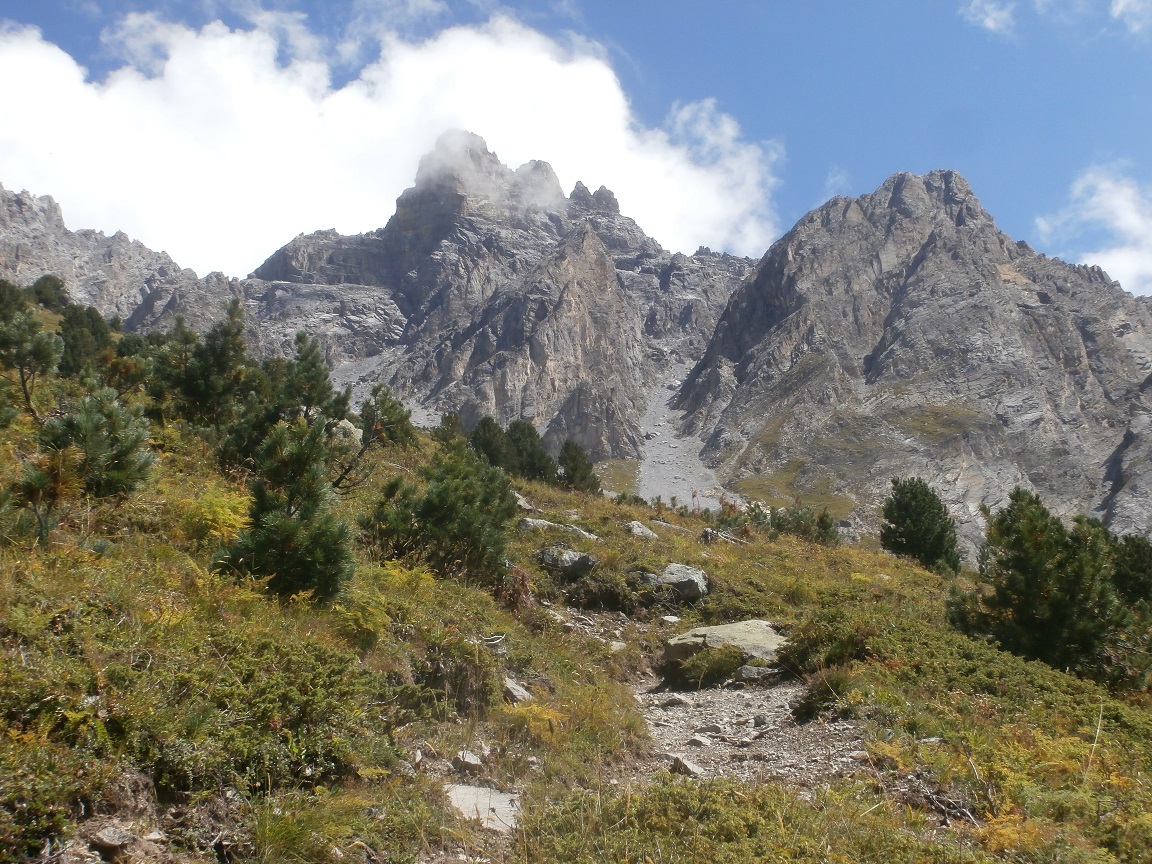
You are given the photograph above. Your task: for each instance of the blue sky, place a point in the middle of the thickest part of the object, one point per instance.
(218, 129)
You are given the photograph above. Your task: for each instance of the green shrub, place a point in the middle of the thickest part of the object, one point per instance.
(456, 524)
(576, 470)
(28, 354)
(43, 787)
(917, 524)
(85, 335)
(1047, 593)
(530, 458)
(802, 520)
(708, 667)
(828, 692)
(293, 538)
(111, 442)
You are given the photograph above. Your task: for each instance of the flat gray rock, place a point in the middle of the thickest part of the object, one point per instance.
(497, 811)
(639, 529)
(515, 692)
(755, 638)
(680, 765)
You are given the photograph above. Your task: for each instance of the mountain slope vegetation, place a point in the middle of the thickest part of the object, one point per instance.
(155, 681)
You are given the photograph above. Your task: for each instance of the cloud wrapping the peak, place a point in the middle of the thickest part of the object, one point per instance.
(219, 145)
(1104, 197)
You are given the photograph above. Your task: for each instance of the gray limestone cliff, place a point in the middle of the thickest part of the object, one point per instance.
(117, 275)
(488, 292)
(902, 333)
(512, 300)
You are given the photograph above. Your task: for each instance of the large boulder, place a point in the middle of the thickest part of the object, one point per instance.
(756, 639)
(566, 563)
(529, 524)
(688, 583)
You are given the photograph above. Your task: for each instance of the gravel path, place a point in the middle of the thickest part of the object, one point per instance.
(749, 735)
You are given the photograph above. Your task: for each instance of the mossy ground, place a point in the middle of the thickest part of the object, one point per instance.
(123, 654)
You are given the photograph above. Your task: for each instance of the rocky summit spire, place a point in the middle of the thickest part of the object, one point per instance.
(463, 173)
(903, 333)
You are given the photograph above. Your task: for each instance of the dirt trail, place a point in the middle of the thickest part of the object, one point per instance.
(748, 734)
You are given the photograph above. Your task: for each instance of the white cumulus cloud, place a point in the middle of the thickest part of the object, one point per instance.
(1105, 198)
(992, 15)
(1136, 15)
(218, 145)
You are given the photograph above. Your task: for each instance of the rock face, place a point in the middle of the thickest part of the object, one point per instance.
(488, 292)
(517, 302)
(117, 275)
(897, 334)
(901, 333)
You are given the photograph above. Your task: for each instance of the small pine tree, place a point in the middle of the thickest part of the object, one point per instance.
(531, 460)
(293, 537)
(457, 523)
(449, 430)
(86, 335)
(13, 300)
(576, 469)
(46, 481)
(1132, 574)
(111, 440)
(215, 370)
(1048, 593)
(491, 442)
(29, 353)
(383, 419)
(307, 389)
(917, 524)
(48, 291)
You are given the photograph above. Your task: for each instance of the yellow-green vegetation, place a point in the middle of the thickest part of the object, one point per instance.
(619, 476)
(783, 488)
(257, 724)
(936, 424)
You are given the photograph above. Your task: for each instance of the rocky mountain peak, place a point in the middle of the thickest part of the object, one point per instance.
(602, 200)
(903, 333)
(930, 195)
(26, 210)
(461, 171)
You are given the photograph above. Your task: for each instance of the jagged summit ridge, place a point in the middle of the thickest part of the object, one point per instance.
(487, 292)
(893, 334)
(903, 333)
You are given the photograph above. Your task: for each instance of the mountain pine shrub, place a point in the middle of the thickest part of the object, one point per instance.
(293, 537)
(110, 439)
(531, 459)
(456, 523)
(1049, 593)
(576, 470)
(917, 524)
